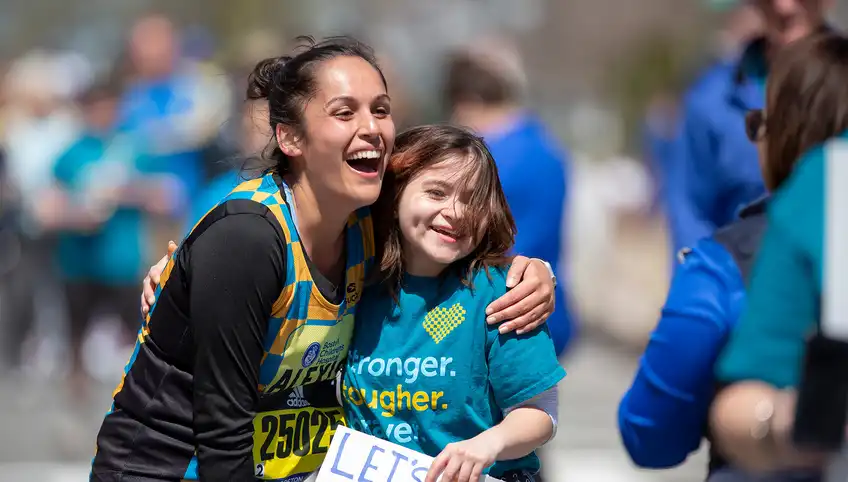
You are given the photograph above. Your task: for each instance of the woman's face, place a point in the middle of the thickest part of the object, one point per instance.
(789, 20)
(348, 134)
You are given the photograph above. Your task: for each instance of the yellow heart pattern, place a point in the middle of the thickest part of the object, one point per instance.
(439, 322)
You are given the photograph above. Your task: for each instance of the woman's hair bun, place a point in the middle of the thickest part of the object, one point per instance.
(263, 76)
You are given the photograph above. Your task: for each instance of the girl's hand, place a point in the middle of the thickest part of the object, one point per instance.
(148, 286)
(529, 301)
(463, 461)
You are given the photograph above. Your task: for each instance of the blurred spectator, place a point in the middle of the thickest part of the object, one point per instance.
(213, 100)
(741, 23)
(484, 90)
(254, 135)
(162, 109)
(97, 209)
(806, 121)
(660, 136)
(9, 243)
(38, 125)
(719, 165)
(663, 415)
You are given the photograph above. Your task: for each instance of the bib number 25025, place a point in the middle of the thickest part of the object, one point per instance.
(297, 433)
(292, 442)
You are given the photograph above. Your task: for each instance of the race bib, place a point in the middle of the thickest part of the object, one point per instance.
(290, 443)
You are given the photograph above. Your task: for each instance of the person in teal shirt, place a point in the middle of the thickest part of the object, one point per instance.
(753, 414)
(99, 225)
(424, 370)
(783, 298)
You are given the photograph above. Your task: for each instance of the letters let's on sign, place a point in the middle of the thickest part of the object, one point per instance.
(359, 457)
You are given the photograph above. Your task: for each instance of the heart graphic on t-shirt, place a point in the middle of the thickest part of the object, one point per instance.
(439, 322)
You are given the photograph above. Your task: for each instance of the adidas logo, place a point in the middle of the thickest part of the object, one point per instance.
(296, 399)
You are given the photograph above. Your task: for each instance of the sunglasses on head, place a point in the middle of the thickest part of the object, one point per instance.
(755, 125)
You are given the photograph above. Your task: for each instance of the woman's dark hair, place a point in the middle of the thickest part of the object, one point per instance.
(806, 101)
(288, 82)
(487, 216)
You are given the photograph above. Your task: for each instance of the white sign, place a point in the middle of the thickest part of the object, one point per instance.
(361, 457)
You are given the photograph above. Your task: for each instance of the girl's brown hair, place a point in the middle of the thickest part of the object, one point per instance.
(807, 101)
(487, 216)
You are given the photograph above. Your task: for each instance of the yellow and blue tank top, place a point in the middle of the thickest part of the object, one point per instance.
(305, 346)
(306, 343)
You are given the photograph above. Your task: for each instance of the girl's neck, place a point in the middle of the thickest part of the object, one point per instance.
(321, 228)
(419, 264)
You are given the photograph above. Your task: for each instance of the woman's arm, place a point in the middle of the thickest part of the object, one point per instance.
(530, 299)
(663, 415)
(236, 273)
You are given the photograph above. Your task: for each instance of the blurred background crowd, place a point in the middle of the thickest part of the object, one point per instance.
(149, 94)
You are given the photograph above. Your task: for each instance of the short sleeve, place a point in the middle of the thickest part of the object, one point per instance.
(520, 366)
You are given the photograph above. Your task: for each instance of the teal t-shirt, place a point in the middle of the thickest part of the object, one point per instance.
(784, 295)
(429, 370)
(112, 254)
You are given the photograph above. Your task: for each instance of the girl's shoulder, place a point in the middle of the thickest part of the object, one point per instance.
(491, 279)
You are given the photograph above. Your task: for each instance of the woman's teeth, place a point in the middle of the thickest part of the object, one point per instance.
(364, 155)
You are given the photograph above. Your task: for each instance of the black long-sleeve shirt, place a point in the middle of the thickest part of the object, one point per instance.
(193, 382)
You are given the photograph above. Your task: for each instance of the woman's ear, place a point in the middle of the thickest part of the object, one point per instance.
(288, 141)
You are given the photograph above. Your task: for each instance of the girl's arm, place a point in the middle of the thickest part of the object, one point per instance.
(517, 441)
(523, 370)
(524, 429)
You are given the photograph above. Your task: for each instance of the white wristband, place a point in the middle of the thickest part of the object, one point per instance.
(550, 270)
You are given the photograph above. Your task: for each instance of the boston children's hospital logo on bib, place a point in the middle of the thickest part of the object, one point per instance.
(299, 411)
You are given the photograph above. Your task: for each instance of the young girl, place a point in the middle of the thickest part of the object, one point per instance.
(422, 370)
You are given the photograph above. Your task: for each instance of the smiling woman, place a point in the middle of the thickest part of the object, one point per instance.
(253, 314)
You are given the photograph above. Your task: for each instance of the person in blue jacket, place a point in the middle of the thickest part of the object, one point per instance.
(719, 165)
(482, 90)
(662, 417)
(741, 23)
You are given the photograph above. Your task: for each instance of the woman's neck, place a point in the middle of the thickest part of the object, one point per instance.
(321, 229)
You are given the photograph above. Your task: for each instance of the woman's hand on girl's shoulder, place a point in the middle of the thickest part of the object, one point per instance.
(530, 299)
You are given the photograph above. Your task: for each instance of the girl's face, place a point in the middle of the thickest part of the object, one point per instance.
(430, 211)
(348, 133)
